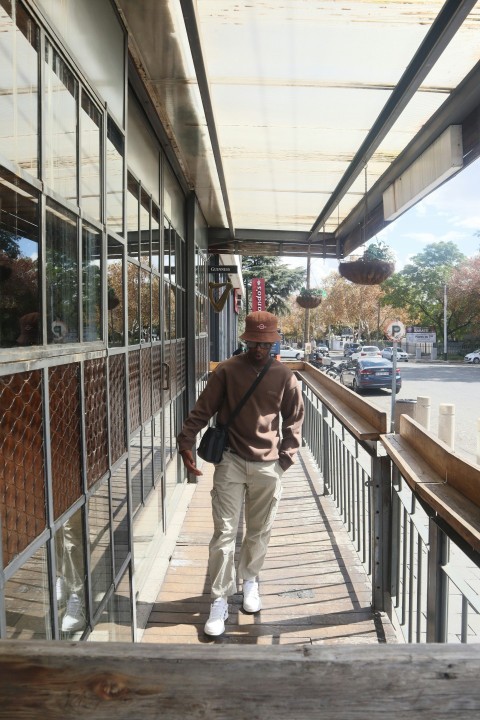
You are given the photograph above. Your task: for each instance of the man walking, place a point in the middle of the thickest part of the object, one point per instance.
(263, 440)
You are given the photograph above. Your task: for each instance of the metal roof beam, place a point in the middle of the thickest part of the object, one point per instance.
(191, 26)
(443, 29)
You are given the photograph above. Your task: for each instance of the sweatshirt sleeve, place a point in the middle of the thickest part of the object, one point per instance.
(207, 405)
(292, 412)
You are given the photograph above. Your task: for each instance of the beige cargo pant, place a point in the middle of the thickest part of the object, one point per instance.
(259, 484)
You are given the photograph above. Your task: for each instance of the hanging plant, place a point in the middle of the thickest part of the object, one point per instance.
(375, 266)
(309, 298)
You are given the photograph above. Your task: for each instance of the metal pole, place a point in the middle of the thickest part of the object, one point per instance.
(307, 311)
(445, 346)
(394, 386)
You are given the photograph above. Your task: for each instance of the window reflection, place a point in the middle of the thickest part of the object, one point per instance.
(61, 96)
(19, 73)
(92, 285)
(145, 228)
(114, 178)
(90, 148)
(100, 545)
(115, 293)
(155, 238)
(62, 275)
(166, 251)
(133, 304)
(132, 216)
(145, 306)
(155, 308)
(116, 621)
(27, 604)
(121, 533)
(20, 322)
(70, 583)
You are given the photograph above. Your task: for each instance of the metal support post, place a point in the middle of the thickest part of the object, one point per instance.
(325, 450)
(437, 600)
(380, 525)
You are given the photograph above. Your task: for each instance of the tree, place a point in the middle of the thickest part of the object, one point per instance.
(280, 281)
(463, 301)
(419, 287)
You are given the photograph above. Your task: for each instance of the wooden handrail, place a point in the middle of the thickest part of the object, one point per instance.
(117, 681)
(442, 479)
(365, 421)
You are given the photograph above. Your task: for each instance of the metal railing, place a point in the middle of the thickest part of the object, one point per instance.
(424, 573)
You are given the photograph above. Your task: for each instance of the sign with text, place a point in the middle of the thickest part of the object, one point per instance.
(216, 269)
(416, 334)
(258, 294)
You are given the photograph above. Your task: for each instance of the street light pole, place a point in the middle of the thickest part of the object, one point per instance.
(445, 344)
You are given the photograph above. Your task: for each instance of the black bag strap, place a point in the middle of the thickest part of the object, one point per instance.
(242, 402)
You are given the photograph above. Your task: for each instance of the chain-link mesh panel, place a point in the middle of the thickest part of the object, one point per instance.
(96, 419)
(134, 388)
(65, 416)
(146, 383)
(22, 467)
(118, 415)
(157, 379)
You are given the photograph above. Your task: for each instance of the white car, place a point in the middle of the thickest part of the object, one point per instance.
(366, 351)
(287, 352)
(473, 357)
(387, 353)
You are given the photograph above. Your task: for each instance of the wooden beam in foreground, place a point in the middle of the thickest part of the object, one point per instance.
(103, 681)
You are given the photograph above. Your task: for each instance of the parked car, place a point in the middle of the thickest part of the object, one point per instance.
(322, 350)
(349, 348)
(370, 374)
(473, 357)
(387, 353)
(289, 352)
(366, 351)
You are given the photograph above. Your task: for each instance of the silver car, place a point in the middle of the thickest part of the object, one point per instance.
(473, 357)
(387, 353)
(287, 352)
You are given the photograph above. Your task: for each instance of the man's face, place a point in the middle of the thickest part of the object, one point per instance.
(258, 352)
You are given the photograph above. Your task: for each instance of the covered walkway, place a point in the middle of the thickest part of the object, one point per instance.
(313, 586)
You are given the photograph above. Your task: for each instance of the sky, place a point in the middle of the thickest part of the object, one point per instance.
(450, 213)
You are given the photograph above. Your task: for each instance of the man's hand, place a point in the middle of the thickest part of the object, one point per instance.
(189, 462)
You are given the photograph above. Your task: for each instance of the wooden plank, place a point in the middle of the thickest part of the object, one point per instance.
(116, 681)
(438, 477)
(365, 421)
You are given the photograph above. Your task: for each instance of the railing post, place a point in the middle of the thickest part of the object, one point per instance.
(325, 450)
(381, 533)
(437, 600)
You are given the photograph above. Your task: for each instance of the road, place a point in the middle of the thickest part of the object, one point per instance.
(453, 383)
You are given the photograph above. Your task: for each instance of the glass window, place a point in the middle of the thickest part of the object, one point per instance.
(92, 284)
(114, 178)
(90, 164)
(173, 307)
(156, 237)
(155, 308)
(61, 96)
(62, 275)
(20, 318)
(132, 217)
(133, 304)
(121, 532)
(100, 545)
(70, 583)
(166, 310)
(116, 621)
(166, 250)
(173, 255)
(145, 309)
(145, 228)
(136, 470)
(19, 83)
(27, 604)
(115, 293)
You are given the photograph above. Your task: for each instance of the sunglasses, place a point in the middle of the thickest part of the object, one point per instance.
(263, 346)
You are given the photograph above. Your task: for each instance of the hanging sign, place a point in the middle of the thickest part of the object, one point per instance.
(258, 294)
(216, 269)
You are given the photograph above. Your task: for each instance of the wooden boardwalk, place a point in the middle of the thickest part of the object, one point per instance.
(313, 587)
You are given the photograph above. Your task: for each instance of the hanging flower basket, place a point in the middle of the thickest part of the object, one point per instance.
(370, 272)
(308, 302)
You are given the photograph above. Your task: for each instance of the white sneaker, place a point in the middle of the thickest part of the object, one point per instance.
(61, 591)
(251, 599)
(215, 624)
(73, 618)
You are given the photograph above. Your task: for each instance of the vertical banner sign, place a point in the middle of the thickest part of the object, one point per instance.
(258, 294)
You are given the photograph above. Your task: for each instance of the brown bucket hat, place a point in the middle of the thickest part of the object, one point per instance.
(261, 326)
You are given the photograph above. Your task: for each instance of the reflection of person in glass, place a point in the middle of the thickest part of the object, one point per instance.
(70, 571)
(29, 329)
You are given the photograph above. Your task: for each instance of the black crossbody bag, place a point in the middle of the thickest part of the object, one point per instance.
(215, 438)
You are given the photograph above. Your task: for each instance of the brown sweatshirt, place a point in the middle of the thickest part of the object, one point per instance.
(255, 434)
